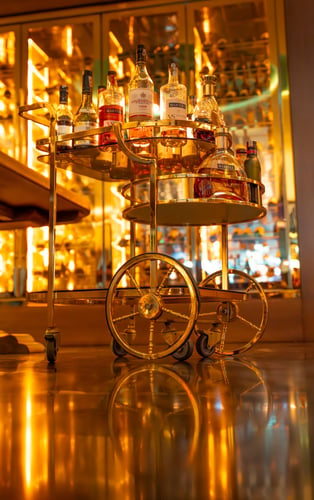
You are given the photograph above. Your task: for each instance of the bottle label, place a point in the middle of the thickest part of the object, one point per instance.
(175, 109)
(225, 166)
(140, 104)
(110, 113)
(63, 128)
(88, 141)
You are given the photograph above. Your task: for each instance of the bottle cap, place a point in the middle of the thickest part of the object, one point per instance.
(140, 53)
(251, 148)
(87, 81)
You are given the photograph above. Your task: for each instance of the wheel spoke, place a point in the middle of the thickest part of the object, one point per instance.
(126, 316)
(207, 314)
(135, 283)
(163, 281)
(176, 313)
(247, 322)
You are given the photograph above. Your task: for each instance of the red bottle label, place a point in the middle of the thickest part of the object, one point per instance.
(110, 112)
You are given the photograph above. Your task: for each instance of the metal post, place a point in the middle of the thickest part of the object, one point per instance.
(224, 256)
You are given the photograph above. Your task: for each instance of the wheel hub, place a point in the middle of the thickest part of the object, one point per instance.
(227, 311)
(149, 306)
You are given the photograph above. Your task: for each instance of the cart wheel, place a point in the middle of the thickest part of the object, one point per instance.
(185, 351)
(117, 349)
(51, 350)
(202, 346)
(244, 319)
(152, 305)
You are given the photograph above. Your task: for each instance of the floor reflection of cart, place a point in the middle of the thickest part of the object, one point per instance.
(153, 302)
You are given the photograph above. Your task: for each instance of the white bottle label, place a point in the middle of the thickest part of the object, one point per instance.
(141, 104)
(88, 141)
(175, 109)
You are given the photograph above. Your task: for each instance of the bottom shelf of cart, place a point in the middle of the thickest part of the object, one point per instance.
(173, 294)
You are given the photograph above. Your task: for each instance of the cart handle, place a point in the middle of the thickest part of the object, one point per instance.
(117, 128)
(26, 112)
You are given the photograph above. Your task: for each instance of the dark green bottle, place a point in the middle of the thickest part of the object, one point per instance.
(253, 170)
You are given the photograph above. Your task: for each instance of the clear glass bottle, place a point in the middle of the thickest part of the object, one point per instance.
(207, 109)
(253, 169)
(173, 96)
(86, 116)
(223, 177)
(64, 118)
(141, 89)
(110, 107)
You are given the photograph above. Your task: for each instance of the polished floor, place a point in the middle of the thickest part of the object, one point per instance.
(96, 427)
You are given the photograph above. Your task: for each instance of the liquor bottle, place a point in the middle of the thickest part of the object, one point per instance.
(253, 169)
(207, 110)
(64, 119)
(222, 176)
(110, 107)
(86, 115)
(173, 97)
(173, 106)
(241, 155)
(141, 90)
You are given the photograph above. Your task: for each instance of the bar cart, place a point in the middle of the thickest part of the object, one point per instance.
(153, 303)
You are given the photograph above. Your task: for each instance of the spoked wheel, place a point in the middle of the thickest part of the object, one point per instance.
(239, 324)
(151, 306)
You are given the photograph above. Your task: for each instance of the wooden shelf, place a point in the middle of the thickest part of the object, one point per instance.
(24, 198)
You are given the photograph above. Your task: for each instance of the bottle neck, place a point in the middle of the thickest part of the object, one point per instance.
(221, 141)
(112, 81)
(86, 100)
(173, 76)
(208, 90)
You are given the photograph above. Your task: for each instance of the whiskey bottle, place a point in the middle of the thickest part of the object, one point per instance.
(253, 169)
(222, 176)
(110, 107)
(141, 89)
(207, 110)
(86, 115)
(64, 119)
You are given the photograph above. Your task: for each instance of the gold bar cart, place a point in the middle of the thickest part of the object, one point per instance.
(153, 303)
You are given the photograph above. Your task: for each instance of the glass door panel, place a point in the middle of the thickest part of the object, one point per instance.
(58, 52)
(9, 142)
(236, 41)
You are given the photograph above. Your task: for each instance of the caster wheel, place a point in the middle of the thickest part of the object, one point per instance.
(202, 346)
(185, 351)
(152, 304)
(117, 349)
(51, 350)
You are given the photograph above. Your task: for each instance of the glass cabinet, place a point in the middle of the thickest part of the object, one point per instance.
(238, 40)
